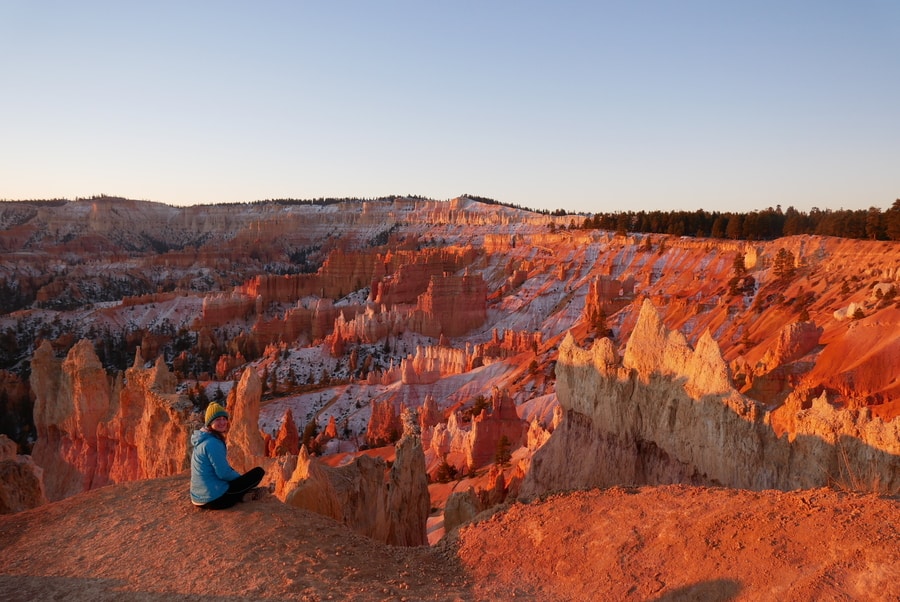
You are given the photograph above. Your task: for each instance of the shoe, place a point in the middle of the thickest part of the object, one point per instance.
(257, 493)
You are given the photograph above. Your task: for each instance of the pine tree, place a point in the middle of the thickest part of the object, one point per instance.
(738, 282)
(892, 221)
(784, 264)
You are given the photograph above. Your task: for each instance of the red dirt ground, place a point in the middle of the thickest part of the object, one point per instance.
(144, 541)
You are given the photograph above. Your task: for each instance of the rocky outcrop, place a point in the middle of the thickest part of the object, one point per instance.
(71, 398)
(327, 435)
(223, 308)
(384, 424)
(373, 324)
(15, 407)
(449, 442)
(602, 292)
(794, 341)
(148, 434)
(431, 363)
(93, 430)
(469, 447)
(311, 485)
(461, 507)
(393, 509)
(227, 363)
(408, 274)
(287, 441)
(667, 413)
(452, 306)
(430, 415)
(781, 370)
(408, 501)
(21, 484)
(489, 428)
(246, 446)
(510, 343)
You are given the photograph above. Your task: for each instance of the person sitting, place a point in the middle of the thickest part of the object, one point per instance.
(215, 485)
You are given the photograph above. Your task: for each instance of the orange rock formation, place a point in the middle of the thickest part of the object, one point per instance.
(667, 413)
(93, 430)
(393, 510)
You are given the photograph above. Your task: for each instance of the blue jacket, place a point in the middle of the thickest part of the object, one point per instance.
(210, 470)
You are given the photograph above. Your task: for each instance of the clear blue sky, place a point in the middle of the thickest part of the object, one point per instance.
(584, 106)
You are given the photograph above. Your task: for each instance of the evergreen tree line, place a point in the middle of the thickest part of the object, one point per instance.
(870, 224)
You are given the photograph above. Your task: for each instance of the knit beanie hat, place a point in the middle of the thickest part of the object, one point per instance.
(213, 411)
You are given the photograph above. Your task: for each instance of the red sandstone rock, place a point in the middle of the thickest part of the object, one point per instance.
(93, 431)
(452, 306)
(227, 363)
(287, 442)
(310, 487)
(408, 503)
(326, 435)
(246, 447)
(489, 427)
(21, 485)
(794, 341)
(669, 414)
(384, 424)
(393, 510)
(430, 415)
(461, 507)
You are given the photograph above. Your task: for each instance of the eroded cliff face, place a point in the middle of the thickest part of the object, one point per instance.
(667, 413)
(93, 429)
(390, 506)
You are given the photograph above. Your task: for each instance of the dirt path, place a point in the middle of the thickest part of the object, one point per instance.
(144, 541)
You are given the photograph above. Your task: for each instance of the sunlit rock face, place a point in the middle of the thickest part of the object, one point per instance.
(246, 446)
(408, 291)
(451, 306)
(783, 367)
(287, 440)
(666, 413)
(93, 430)
(390, 505)
(384, 424)
(488, 428)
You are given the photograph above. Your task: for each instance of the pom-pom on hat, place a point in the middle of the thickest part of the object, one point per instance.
(213, 411)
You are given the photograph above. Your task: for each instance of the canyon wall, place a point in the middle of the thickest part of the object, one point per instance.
(667, 413)
(451, 306)
(93, 429)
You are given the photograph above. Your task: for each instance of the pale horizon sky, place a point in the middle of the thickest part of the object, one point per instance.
(583, 106)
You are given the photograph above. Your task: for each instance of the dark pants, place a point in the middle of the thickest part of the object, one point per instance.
(236, 489)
